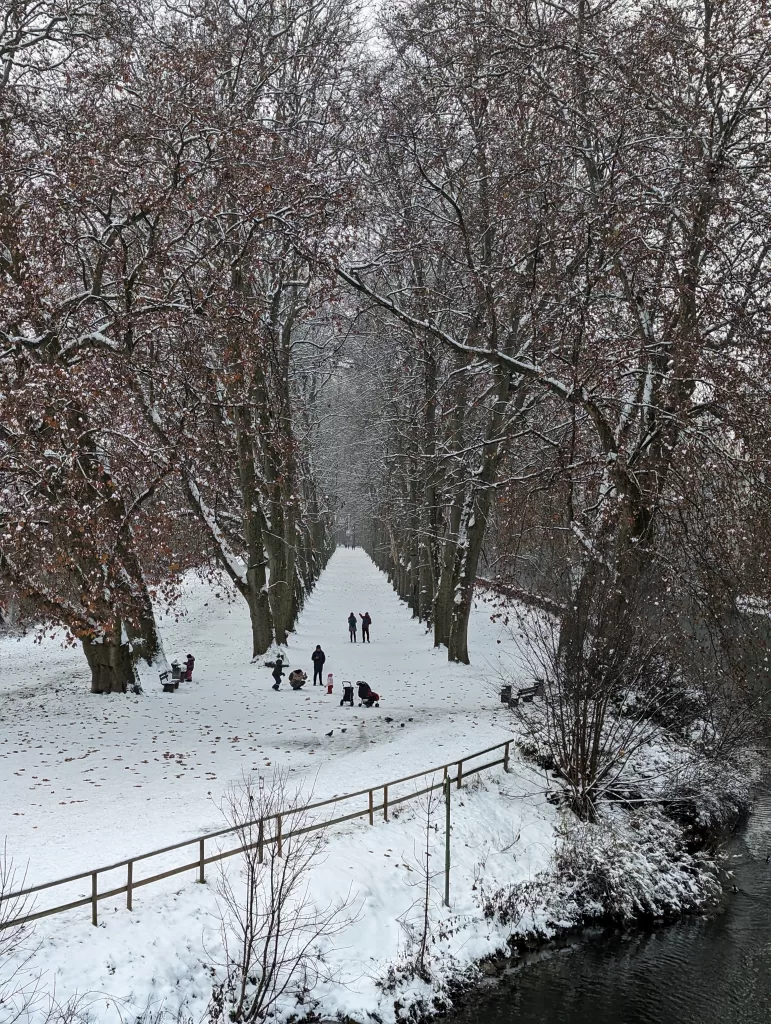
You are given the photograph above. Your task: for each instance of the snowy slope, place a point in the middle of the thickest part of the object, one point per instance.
(90, 779)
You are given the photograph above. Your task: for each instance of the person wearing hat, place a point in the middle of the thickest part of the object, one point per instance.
(318, 658)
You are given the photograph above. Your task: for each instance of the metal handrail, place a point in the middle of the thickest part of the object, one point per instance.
(200, 863)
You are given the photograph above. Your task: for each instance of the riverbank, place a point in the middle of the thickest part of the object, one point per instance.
(705, 968)
(524, 871)
(120, 775)
(636, 866)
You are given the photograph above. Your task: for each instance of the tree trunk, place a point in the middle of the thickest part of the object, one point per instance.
(256, 580)
(112, 669)
(427, 516)
(470, 532)
(141, 628)
(612, 576)
(467, 555)
(445, 590)
(281, 590)
(452, 490)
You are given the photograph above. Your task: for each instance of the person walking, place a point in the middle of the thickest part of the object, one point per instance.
(366, 622)
(318, 658)
(278, 671)
(352, 627)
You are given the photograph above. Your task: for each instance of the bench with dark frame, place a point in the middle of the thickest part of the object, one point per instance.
(524, 694)
(171, 684)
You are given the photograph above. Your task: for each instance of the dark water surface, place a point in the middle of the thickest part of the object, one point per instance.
(699, 971)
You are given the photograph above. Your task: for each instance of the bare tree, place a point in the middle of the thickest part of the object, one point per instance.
(272, 930)
(19, 983)
(416, 921)
(589, 726)
(592, 225)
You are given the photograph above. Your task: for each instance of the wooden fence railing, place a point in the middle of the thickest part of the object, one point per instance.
(379, 798)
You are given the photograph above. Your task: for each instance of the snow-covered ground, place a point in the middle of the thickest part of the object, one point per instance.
(89, 780)
(92, 779)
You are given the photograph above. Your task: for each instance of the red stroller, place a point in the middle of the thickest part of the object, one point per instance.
(367, 695)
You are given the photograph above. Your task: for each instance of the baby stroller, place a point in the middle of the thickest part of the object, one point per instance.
(347, 693)
(367, 695)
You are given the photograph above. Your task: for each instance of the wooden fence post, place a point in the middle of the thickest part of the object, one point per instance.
(460, 773)
(506, 758)
(94, 920)
(371, 808)
(385, 803)
(279, 845)
(201, 862)
(129, 885)
(260, 841)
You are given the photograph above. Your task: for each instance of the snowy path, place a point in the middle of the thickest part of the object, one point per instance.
(89, 779)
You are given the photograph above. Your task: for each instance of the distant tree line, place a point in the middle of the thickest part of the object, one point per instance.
(486, 281)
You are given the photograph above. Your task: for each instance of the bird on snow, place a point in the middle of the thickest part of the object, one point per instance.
(329, 733)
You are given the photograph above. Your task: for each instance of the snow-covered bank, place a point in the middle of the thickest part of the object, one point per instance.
(115, 775)
(523, 868)
(90, 779)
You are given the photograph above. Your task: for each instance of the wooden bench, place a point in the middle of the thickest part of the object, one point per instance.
(524, 694)
(528, 692)
(166, 682)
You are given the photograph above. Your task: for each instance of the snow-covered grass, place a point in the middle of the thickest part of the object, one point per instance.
(162, 951)
(92, 779)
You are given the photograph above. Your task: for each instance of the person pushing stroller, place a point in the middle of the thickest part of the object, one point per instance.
(367, 695)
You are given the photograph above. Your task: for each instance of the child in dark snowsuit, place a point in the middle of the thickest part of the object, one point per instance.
(352, 627)
(277, 673)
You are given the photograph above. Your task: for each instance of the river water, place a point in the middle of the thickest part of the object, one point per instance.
(704, 970)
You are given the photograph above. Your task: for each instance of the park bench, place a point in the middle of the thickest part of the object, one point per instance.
(170, 683)
(524, 693)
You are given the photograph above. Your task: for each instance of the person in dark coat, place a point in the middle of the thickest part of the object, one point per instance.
(352, 627)
(278, 671)
(366, 622)
(318, 658)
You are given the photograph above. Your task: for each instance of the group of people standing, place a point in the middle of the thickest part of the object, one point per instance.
(366, 622)
(319, 657)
